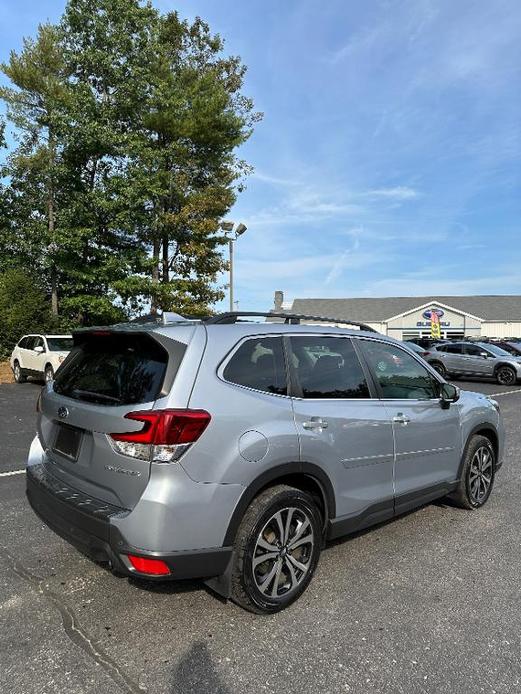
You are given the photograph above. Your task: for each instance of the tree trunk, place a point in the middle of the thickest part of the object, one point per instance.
(155, 273)
(166, 267)
(50, 229)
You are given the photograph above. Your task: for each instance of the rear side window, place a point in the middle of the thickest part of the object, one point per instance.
(114, 369)
(59, 344)
(454, 349)
(259, 364)
(473, 350)
(327, 367)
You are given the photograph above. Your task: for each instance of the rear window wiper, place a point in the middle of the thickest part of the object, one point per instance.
(96, 396)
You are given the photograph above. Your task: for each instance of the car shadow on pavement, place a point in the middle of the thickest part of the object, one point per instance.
(196, 672)
(443, 502)
(168, 587)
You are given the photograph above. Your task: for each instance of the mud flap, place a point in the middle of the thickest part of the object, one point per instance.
(222, 585)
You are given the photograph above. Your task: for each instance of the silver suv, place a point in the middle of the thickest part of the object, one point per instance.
(231, 451)
(475, 359)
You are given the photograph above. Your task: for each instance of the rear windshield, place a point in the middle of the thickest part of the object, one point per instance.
(59, 344)
(113, 370)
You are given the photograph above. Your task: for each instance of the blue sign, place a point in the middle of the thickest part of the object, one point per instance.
(427, 314)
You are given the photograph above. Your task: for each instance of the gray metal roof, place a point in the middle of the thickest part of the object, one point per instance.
(501, 308)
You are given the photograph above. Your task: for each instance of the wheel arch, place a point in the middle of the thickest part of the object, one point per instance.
(304, 476)
(501, 365)
(487, 430)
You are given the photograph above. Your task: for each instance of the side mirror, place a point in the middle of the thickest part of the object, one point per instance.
(449, 394)
(39, 349)
(484, 355)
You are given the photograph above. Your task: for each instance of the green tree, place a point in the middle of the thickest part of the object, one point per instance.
(35, 106)
(24, 308)
(128, 123)
(183, 166)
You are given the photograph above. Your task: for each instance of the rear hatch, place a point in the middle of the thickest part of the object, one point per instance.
(108, 374)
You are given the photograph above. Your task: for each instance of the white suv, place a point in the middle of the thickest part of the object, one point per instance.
(39, 356)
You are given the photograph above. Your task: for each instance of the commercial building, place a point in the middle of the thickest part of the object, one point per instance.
(409, 316)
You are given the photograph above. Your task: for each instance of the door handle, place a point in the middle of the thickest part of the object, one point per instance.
(315, 423)
(401, 418)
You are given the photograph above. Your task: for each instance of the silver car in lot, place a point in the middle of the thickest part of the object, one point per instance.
(231, 450)
(470, 359)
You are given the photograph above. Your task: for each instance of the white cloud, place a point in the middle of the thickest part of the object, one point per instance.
(419, 285)
(274, 180)
(396, 193)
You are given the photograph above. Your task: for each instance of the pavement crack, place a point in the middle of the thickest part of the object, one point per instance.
(73, 630)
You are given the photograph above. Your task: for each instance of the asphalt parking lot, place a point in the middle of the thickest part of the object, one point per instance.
(429, 602)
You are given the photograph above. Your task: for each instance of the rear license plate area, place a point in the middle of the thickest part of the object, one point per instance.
(67, 442)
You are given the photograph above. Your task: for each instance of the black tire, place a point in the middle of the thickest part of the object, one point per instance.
(465, 495)
(48, 373)
(440, 368)
(506, 375)
(19, 376)
(260, 525)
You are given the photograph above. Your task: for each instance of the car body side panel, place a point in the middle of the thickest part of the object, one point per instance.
(477, 411)
(250, 431)
(428, 447)
(356, 449)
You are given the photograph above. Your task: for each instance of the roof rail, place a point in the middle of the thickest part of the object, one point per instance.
(289, 318)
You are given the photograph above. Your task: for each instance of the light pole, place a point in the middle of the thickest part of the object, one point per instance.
(232, 236)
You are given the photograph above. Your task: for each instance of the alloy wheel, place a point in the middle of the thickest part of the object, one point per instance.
(283, 552)
(480, 475)
(506, 376)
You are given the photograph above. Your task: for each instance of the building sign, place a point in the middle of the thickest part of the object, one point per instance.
(433, 317)
(430, 311)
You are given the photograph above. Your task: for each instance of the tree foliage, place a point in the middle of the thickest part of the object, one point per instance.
(24, 308)
(127, 123)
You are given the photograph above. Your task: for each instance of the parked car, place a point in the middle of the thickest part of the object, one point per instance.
(426, 342)
(230, 451)
(513, 347)
(472, 359)
(39, 356)
(424, 353)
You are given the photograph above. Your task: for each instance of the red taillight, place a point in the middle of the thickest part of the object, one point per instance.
(152, 567)
(425, 354)
(166, 427)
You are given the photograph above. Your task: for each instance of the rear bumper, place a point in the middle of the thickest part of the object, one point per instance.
(86, 524)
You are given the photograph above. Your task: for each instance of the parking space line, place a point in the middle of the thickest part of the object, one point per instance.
(505, 392)
(11, 473)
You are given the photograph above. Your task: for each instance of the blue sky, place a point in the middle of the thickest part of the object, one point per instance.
(388, 160)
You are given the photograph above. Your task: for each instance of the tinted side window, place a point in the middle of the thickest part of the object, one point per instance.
(328, 367)
(400, 376)
(23, 342)
(259, 364)
(454, 349)
(474, 350)
(38, 342)
(30, 342)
